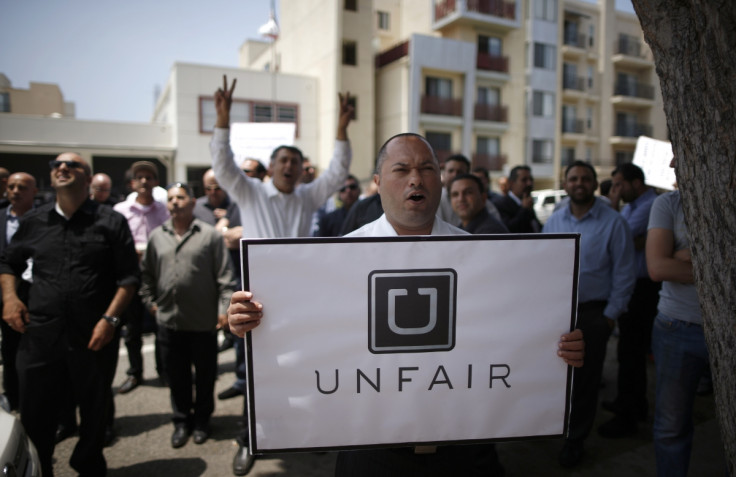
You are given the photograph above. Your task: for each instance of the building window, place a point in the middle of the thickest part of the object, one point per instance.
(490, 146)
(569, 119)
(4, 102)
(351, 5)
(591, 72)
(438, 87)
(383, 20)
(543, 104)
(349, 53)
(490, 96)
(545, 10)
(544, 56)
(591, 35)
(247, 111)
(490, 45)
(441, 143)
(567, 156)
(622, 157)
(589, 117)
(542, 151)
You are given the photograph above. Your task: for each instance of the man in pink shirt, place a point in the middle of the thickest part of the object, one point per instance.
(143, 214)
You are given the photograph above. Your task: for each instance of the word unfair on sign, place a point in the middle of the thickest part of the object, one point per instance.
(408, 341)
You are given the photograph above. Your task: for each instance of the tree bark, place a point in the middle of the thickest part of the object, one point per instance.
(694, 48)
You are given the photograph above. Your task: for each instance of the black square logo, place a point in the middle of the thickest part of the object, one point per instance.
(411, 311)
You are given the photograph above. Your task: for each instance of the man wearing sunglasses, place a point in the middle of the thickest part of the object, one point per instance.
(331, 224)
(85, 272)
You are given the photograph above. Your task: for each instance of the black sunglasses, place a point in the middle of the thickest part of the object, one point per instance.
(349, 186)
(70, 164)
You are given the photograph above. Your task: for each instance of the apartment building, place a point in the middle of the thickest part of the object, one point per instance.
(505, 82)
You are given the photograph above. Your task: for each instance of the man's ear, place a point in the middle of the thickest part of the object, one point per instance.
(377, 180)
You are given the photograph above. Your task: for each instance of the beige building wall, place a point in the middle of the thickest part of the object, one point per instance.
(43, 99)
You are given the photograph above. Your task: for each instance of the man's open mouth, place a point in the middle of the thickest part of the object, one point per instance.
(416, 197)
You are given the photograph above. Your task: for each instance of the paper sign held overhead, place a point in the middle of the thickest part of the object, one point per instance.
(258, 140)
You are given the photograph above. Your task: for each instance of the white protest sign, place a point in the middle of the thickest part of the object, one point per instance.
(654, 158)
(258, 140)
(408, 341)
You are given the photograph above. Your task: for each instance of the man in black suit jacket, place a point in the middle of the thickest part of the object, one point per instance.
(517, 207)
(21, 191)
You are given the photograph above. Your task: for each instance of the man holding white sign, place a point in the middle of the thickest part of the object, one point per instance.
(408, 180)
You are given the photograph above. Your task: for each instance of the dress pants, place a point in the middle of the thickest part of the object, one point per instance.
(586, 379)
(180, 351)
(11, 340)
(47, 365)
(462, 460)
(635, 328)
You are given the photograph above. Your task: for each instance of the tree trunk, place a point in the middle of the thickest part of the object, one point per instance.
(694, 48)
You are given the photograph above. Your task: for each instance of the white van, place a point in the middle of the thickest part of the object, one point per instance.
(545, 201)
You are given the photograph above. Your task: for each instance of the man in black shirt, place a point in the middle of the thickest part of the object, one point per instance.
(85, 271)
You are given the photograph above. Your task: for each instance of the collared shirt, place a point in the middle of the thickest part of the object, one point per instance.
(636, 214)
(78, 265)
(188, 279)
(265, 212)
(11, 225)
(205, 211)
(607, 266)
(142, 219)
(381, 227)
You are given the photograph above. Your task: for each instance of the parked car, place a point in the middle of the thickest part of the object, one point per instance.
(18, 456)
(545, 201)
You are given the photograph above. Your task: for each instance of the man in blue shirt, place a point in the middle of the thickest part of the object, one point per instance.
(635, 326)
(606, 281)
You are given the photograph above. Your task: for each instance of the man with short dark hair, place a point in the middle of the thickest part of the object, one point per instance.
(468, 199)
(454, 165)
(281, 207)
(408, 179)
(331, 224)
(85, 272)
(187, 281)
(635, 326)
(254, 168)
(517, 207)
(607, 277)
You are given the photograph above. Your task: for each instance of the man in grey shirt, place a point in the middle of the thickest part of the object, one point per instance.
(187, 282)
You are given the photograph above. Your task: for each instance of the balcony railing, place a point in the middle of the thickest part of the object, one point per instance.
(574, 82)
(496, 8)
(573, 126)
(443, 106)
(634, 90)
(490, 62)
(577, 40)
(632, 130)
(490, 112)
(392, 54)
(629, 46)
(492, 162)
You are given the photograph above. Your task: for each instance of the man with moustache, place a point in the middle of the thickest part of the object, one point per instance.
(408, 179)
(85, 272)
(468, 199)
(517, 207)
(607, 278)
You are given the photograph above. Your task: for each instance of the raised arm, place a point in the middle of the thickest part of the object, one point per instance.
(346, 115)
(223, 102)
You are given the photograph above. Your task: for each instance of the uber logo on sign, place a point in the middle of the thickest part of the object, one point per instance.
(411, 310)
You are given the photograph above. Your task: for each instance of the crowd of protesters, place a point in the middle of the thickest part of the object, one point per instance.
(84, 271)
